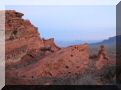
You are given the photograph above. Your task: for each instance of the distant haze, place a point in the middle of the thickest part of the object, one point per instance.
(69, 23)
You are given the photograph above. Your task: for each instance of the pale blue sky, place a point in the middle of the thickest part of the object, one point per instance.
(72, 22)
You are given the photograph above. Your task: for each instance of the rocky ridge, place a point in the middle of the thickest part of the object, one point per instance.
(30, 57)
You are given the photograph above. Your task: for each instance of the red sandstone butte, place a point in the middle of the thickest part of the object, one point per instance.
(35, 57)
(21, 36)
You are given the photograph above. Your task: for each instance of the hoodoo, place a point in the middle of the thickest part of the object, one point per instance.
(102, 58)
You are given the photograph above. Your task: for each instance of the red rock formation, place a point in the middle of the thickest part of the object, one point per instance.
(34, 57)
(22, 40)
(49, 43)
(21, 36)
(71, 60)
(102, 58)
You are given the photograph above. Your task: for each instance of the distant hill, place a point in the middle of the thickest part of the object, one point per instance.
(110, 41)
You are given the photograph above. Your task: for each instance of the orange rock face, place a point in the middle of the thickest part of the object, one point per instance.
(71, 60)
(29, 57)
(49, 43)
(67, 61)
(31, 60)
(21, 36)
(102, 58)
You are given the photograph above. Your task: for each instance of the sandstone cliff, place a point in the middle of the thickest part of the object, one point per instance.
(37, 57)
(33, 60)
(20, 35)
